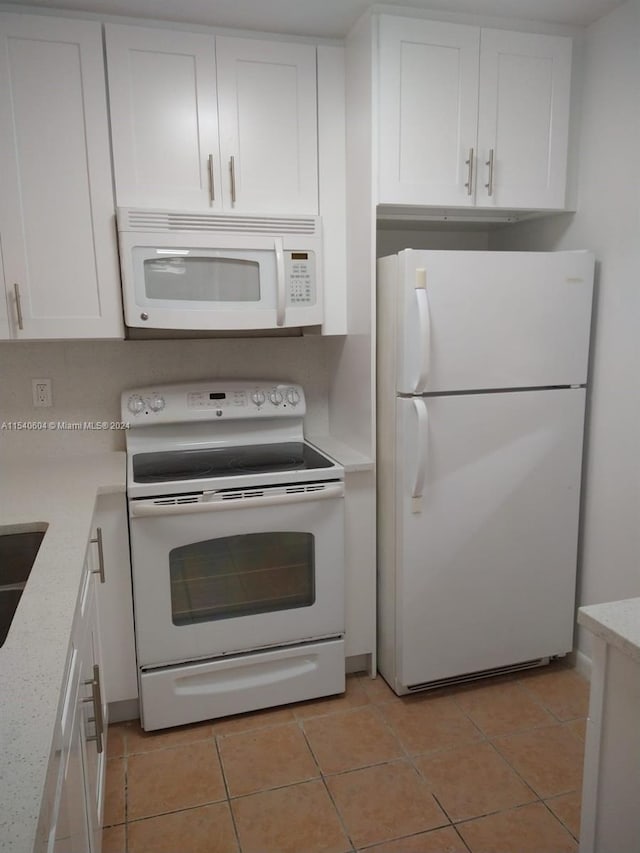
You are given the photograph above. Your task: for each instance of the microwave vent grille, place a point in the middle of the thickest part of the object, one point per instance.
(170, 221)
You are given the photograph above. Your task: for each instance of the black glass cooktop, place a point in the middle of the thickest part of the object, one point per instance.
(165, 466)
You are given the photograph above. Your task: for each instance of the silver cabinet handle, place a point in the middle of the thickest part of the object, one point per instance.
(489, 163)
(469, 162)
(98, 541)
(232, 169)
(96, 699)
(212, 189)
(16, 291)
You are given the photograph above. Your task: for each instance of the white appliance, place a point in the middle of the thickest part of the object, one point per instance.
(482, 367)
(237, 548)
(214, 271)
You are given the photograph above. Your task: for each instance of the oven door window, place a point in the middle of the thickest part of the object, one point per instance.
(241, 575)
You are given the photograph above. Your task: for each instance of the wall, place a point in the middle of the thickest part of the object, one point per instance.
(392, 238)
(607, 221)
(88, 378)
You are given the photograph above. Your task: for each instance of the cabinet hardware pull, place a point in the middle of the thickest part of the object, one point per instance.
(469, 162)
(232, 169)
(96, 698)
(489, 163)
(212, 190)
(16, 290)
(98, 541)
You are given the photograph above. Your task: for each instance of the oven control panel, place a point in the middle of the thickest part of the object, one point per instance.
(212, 400)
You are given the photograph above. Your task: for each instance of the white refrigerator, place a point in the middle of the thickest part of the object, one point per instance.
(482, 362)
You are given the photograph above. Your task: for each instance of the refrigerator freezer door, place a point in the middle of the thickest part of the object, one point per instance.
(486, 560)
(481, 320)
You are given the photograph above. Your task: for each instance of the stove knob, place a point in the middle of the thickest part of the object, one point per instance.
(135, 404)
(258, 397)
(293, 396)
(276, 397)
(156, 403)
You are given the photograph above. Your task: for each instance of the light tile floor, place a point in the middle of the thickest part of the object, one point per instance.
(492, 767)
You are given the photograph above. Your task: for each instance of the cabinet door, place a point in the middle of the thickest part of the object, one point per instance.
(93, 721)
(115, 602)
(268, 125)
(69, 831)
(56, 205)
(523, 119)
(428, 106)
(5, 330)
(162, 95)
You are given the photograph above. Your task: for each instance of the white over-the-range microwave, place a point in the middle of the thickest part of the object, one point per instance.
(220, 271)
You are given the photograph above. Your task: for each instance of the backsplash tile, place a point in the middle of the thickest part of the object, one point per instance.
(89, 376)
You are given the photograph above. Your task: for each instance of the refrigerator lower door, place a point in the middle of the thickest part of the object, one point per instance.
(487, 505)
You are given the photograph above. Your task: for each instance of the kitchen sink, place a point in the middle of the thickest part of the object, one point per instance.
(19, 545)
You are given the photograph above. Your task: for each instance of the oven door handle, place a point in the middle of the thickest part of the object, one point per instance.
(141, 509)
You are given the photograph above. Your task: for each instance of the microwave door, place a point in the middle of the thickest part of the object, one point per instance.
(206, 289)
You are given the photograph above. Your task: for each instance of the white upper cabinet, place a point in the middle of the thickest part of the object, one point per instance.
(523, 121)
(470, 116)
(164, 122)
(203, 122)
(57, 232)
(428, 85)
(268, 125)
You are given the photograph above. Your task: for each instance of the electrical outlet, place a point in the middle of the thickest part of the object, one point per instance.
(42, 396)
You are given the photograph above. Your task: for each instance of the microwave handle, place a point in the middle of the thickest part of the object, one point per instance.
(280, 282)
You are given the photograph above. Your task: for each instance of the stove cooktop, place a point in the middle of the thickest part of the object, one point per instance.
(176, 465)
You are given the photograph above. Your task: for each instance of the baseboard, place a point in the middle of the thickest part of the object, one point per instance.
(122, 712)
(357, 663)
(582, 664)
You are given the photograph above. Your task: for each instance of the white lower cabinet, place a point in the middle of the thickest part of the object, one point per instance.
(115, 605)
(93, 718)
(100, 671)
(610, 820)
(69, 831)
(78, 763)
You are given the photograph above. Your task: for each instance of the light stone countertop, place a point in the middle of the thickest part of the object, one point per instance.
(60, 491)
(617, 623)
(351, 460)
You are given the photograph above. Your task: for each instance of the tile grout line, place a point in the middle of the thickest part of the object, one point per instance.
(226, 790)
(539, 796)
(559, 819)
(455, 829)
(326, 787)
(129, 820)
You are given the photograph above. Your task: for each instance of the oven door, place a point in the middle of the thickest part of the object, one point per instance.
(249, 570)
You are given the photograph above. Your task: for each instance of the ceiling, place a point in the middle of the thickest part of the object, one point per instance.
(325, 18)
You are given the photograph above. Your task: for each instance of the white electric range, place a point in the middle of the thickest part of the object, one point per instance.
(237, 546)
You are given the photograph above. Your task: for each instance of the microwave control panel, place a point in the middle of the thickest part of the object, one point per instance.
(300, 272)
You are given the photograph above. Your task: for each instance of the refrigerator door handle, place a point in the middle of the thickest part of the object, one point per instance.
(422, 414)
(424, 322)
